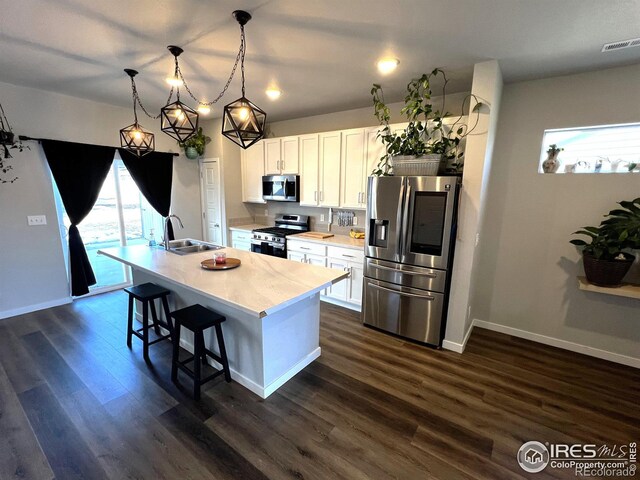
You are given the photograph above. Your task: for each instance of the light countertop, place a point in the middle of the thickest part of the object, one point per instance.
(344, 241)
(247, 228)
(262, 284)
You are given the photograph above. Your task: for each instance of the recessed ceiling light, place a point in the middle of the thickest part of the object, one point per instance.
(273, 93)
(387, 65)
(173, 81)
(204, 109)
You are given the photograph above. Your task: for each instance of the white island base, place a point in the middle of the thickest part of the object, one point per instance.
(264, 352)
(271, 305)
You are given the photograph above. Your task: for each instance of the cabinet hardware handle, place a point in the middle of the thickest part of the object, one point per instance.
(305, 248)
(359, 197)
(348, 256)
(315, 196)
(321, 196)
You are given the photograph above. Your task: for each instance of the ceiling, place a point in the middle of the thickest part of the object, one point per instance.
(321, 53)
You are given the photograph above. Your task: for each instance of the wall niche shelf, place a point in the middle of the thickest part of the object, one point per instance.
(628, 290)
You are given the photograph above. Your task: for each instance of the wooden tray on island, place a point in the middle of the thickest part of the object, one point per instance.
(316, 235)
(210, 264)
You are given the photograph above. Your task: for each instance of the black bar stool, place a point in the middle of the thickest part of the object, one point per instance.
(147, 293)
(197, 319)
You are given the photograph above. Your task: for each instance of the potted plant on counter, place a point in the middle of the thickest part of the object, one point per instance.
(427, 144)
(606, 256)
(195, 145)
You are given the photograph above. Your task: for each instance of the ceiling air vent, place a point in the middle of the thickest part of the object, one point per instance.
(632, 42)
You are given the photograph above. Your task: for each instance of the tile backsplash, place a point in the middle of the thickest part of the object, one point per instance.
(265, 214)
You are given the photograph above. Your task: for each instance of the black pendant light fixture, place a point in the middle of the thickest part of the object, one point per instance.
(243, 122)
(177, 119)
(134, 138)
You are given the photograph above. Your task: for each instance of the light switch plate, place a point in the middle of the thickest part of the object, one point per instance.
(322, 217)
(36, 220)
(355, 220)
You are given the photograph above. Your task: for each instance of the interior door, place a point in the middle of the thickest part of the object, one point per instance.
(211, 198)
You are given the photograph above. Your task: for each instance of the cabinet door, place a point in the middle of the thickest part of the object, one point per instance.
(289, 161)
(296, 256)
(353, 159)
(240, 245)
(309, 170)
(252, 172)
(272, 156)
(338, 290)
(375, 150)
(329, 192)
(354, 293)
(316, 260)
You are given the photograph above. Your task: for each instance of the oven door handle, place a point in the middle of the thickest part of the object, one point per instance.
(382, 267)
(404, 294)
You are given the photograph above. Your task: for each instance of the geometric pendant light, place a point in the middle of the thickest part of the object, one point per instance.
(243, 122)
(177, 119)
(134, 138)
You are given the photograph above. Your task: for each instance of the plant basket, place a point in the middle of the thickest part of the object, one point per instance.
(191, 153)
(412, 165)
(606, 273)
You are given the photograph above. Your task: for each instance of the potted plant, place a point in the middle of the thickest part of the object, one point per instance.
(551, 164)
(606, 257)
(194, 146)
(426, 137)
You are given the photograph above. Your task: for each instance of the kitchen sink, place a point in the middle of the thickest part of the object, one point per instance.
(194, 249)
(187, 246)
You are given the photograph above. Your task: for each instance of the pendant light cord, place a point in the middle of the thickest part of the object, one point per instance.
(239, 58)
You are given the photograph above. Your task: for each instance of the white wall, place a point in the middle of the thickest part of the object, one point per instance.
(32, 271)
(528, 267)
(487, 87)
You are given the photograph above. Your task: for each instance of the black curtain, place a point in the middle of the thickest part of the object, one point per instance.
(153, 175)
(79, 171)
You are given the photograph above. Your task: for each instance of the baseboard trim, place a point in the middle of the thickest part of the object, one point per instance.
(458, 347)
(289, 374)
(262, 392)
(35, 307)
(564, 344)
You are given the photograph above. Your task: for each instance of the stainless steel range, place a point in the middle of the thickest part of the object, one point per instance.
(273, 240)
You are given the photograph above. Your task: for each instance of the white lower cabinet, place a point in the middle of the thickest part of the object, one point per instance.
(241, 240)
(347, 292)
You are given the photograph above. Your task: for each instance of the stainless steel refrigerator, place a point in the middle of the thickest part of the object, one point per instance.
(410, 235)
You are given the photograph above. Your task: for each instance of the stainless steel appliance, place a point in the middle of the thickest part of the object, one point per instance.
(281, 188)
(410, 234)
(273, 240)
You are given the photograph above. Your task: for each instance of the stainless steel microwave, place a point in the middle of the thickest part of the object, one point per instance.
(281, 188)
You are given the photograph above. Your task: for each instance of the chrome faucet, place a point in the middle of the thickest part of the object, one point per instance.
(166, 229)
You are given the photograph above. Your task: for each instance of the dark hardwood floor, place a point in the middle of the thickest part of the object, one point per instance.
(76, 403)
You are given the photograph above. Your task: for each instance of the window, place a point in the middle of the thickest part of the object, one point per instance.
(121, 216)
(602, 149)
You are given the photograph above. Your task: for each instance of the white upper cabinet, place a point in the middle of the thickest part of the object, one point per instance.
(329, 184)
(252, 171)
(309, 170)
(281, 156)
(352, 166)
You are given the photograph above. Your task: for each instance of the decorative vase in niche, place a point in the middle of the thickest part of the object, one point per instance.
(191, 153)
(551, 164)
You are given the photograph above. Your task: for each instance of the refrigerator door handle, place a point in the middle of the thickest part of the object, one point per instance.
(406, 236)
(382, 267)
(399, 231)
(401, 293)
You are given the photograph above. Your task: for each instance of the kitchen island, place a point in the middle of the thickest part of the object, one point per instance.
(272, 307)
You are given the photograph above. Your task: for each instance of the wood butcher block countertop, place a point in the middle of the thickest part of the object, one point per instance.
(262, 285)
